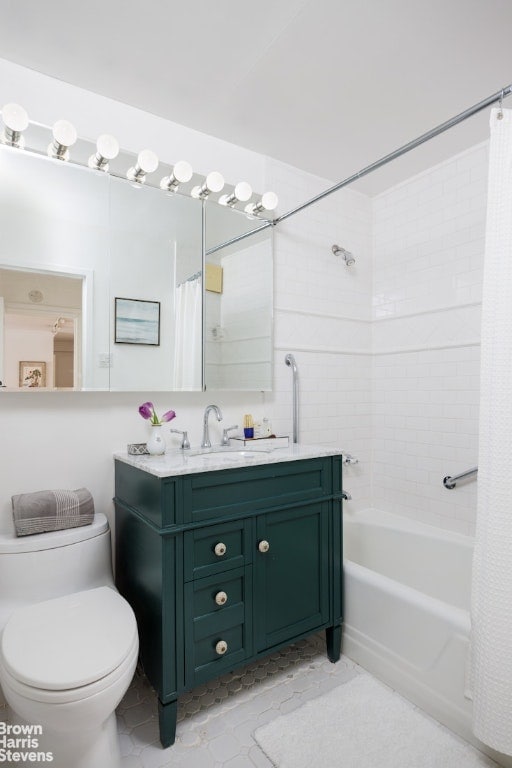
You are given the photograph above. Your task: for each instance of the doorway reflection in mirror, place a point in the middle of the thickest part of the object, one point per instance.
(40, 314)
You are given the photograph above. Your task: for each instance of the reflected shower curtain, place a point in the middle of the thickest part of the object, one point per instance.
(188, 336)
(491, 608)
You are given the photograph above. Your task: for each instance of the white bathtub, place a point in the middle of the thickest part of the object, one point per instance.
(407, 592)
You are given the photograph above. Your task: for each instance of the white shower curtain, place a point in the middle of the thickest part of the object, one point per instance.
(188, 336)
(491, 609)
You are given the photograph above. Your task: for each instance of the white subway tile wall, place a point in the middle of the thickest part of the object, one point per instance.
(322, 315)
(388, 349)
(428, 250)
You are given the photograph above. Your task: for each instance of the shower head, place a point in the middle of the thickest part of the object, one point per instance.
(347, 257)
(290, 360)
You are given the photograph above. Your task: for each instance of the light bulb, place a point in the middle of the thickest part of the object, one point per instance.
(147, 162)
(15, 120)
(64, 136)
(181, 173)
(107, 148)
(213, 183)
(268, 202)
(241, 193)
(64, 132)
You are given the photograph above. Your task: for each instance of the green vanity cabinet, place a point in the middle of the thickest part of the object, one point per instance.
(224, 566)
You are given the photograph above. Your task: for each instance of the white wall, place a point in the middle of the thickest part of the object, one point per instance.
(428, 258)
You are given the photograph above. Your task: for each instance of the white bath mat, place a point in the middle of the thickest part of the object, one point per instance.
(363, 724)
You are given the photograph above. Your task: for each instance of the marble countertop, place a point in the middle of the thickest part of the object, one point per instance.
(210, 460)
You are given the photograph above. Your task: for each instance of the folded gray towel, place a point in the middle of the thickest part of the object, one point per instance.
(51, 510)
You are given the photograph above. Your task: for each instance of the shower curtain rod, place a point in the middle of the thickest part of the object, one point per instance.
(498, 96)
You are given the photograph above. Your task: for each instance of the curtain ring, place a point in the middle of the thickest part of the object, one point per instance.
(500, 113)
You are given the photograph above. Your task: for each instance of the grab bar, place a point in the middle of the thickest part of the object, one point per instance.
(290, 360)
(451, 482)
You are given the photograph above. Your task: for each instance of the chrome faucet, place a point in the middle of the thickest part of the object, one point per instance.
(185, 442)
(206, 434)
(225, 435)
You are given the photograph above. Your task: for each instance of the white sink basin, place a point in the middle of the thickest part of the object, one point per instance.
(223, 455)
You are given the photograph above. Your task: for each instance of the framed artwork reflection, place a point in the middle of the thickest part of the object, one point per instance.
(137, 321)
(32, 374)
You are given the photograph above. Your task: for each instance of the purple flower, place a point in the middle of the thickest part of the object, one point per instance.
(146, 410)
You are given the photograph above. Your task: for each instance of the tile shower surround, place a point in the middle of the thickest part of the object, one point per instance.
(388, 350)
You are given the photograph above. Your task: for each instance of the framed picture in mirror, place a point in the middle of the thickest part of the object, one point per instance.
(137, 321)
(32, 374)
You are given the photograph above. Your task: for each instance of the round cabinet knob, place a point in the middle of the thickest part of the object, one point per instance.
(221, 598)
(263, 546)
(220, 549)
(221, 647)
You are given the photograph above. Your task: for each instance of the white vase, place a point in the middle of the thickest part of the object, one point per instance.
(156, 442)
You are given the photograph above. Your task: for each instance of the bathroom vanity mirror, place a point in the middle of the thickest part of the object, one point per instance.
(102, 284)
(54, 271)
(155, 266)
(75, 240)
(238, 301)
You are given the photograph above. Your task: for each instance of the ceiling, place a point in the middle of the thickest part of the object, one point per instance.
(328, 86)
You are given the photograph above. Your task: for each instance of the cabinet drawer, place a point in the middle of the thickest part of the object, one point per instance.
(217, 636)
(241, 491)
(216, 548)
(204, 662)
(217, 594)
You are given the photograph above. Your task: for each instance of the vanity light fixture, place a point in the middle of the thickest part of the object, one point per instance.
(181, 173)
(214, 182)
(241, 194)
(268, 202)
(107, 148)
(64, 136)
(15, 121)
(147, 162)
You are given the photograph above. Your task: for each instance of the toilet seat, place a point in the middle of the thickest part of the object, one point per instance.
(73, 642)
(71, 695)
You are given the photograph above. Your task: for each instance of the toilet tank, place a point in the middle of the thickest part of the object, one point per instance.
(46, 565)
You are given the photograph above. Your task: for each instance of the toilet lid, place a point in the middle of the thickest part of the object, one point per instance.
(69, 641)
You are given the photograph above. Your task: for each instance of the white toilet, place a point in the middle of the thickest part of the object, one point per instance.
(69, 644)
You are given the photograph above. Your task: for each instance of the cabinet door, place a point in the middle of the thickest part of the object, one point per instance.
(291, 593)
